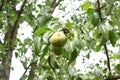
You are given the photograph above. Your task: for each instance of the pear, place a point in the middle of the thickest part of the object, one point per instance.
(58, 39)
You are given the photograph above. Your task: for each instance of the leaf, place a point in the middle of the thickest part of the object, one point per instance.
(16, 54)
(73, 56)
(52, 63)
(24, 76)
(104, 34)
(94, 20)
(46, 75)
(117, 68)
(88, 56)
(65, 54)
(86, 5)
(40, 6)
(112, 23)
(116, 56)
(72, 71)
(37, 44)
(90, 12)
(112, 37)
(96, 33)
(57, 50)
(24, 64)
(68, 24)
(40, 31)
(98, 46)
(45, 49)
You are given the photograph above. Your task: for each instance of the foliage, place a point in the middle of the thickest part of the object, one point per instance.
(93, 26)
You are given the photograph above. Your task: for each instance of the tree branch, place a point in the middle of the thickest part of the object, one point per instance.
(105, 46)
(99, 11)
(11, 35)
(15, 27)
(53, 5)
(32, 71)
(108, 59)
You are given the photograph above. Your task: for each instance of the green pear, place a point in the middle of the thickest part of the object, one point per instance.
(58, 39)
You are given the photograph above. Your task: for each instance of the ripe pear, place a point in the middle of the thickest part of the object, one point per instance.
(58, 39)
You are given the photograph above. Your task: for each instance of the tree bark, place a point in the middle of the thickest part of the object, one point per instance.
(9, 41)
(32, 71)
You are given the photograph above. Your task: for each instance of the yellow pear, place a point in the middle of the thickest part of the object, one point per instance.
(58, 39)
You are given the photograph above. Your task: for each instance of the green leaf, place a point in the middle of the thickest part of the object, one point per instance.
(86, 5)
(46, 75)
(117, 68)
(105, 33)
(94, 20)
(24, 64)
(113, 21)
(40, 6)
(96, 33)
(37, 44)
(90, 12)
(68, 24)
(88, 56)
(24, 76)
(112, 37)
(73, 56)
(40, 31)
(57, 50)
(116, 56)
(65, 54)
(45, 49)
(16, 54)
(98, 46)
(52, 62)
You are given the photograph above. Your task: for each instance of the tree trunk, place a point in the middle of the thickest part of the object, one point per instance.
(9, 42)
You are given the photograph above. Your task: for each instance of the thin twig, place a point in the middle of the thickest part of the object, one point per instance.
(105, 47)
(108, 59)
(26, 70)
(53, 5)
(99, 11)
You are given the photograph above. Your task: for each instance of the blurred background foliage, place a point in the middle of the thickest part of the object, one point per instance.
(93, 27)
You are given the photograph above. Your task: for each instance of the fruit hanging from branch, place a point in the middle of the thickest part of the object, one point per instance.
(58, 39)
